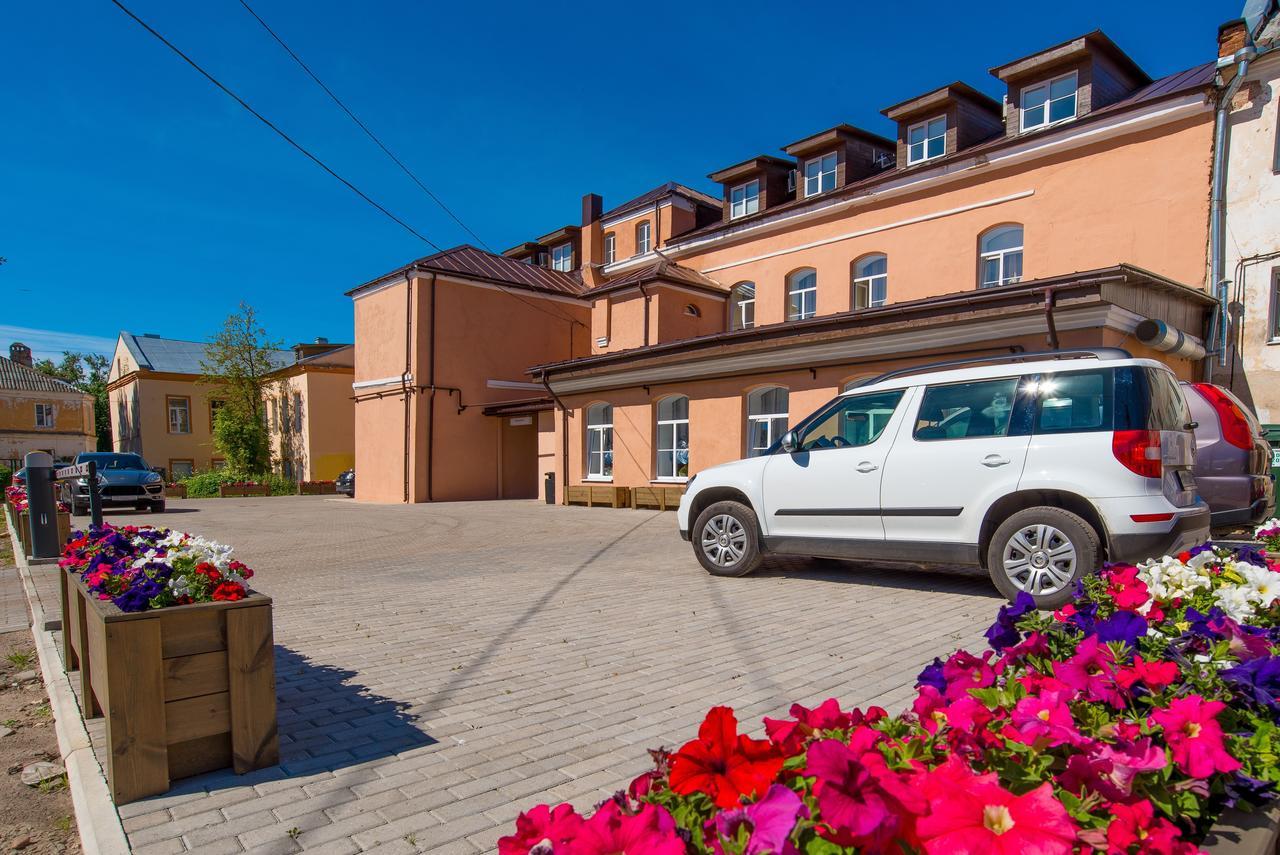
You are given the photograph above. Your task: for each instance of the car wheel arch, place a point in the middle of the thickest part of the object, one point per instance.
(1010, 504)
(705, 498)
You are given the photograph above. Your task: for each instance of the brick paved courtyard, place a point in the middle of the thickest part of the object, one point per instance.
(440, 668)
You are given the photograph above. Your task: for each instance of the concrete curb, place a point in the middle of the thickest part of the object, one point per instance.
(99, 825)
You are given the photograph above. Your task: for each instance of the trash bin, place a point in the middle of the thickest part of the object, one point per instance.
(1272, 433)
(549, 488)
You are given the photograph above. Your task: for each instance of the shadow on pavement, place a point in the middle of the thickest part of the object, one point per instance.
(906, 577)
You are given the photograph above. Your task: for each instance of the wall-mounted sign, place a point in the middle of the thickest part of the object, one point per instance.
(516, 421)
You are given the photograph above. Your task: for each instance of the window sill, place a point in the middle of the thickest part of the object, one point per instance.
(675, 480)
(596, 479)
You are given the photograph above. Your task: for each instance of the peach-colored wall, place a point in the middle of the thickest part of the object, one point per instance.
(147, 429)
(325, 445)
(72, 430)
(380, 323)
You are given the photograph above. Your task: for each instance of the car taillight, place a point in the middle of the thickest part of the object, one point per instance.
(1139, 451)
(1235, 424)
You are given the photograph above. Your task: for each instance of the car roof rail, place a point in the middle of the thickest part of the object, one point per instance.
(1022, 356)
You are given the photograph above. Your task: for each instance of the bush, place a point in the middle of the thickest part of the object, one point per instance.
(204, 485)
(6, 476)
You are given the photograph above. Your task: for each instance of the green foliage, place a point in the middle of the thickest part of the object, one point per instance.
(204, 485)
(88, 373)
(6, 476)
(242, 438)
(237, 362)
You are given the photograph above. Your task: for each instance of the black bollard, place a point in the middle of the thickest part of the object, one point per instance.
(42, 507)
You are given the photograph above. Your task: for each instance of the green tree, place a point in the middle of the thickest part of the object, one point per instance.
(237, 362)
(88, 373)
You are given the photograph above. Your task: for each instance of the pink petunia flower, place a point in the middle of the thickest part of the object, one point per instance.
(1110, 770)
(768, 822)
(1125, 588)
(542, 826)
(1136, 828)
(964, 671)
(862, 801)
(1043, 721)
(1194, 736)
(612, 831)
(1154, 675)
(1091, 673)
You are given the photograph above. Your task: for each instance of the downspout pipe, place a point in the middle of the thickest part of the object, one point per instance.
(431, 397)
(1218, 205)
(405, 388)
(564, 437)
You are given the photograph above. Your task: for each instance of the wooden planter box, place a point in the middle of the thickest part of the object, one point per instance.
(237, 490)
(1245, 833)
(184, 690)
(598, 494)
(23, 526)
(175, 491)
(317, 488)
(661, 497)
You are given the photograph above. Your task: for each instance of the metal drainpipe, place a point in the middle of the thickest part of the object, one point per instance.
(645, 294)
(405, 389)
(431, 397)
(564, 438)
(1218, 207)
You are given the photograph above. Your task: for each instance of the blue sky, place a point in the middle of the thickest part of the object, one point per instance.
(134, 195)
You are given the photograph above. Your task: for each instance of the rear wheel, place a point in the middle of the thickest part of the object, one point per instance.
(157, 507)
(726, 539)
(1043, 551)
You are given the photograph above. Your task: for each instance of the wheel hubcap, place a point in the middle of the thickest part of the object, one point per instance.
(1039, 559)
(724, 540)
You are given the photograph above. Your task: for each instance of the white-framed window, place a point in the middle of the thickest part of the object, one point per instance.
(1275, 305)
(766, 418)
(673, 438)
(927, 140)
(44, 415)
(1050, 102)
(870, 281)
(179, 415)
(610, 247)
(1000, 256)
(297, 412)
(643, 238)
(820, 175)
(600, 442)
(802, 294)
(562, 257)
(742, 306)
(744, 199)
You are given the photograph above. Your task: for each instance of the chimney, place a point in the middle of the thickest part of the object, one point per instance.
(20, 353)
(592, 237)
(321, 340)
(1232, 36)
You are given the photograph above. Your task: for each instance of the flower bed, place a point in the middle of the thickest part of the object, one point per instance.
(15, 500)
(244, 488)
(174, 649)
(317, 488)
(175, 490)
(1127, 721)
(1269, 535)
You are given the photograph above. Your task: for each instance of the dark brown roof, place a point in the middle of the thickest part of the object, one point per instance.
(1095, 40)
(665, 271)
(469, 262)
(762, 161)
(1199, 77)
(924, 307)
(671, 188)
(18, 377)
(958, 88)
(832, 135)
(520, 407)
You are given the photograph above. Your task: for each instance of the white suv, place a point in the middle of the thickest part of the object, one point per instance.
(1038, 468)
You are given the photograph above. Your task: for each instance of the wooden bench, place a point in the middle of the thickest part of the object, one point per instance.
(599, 494)
(661, 497)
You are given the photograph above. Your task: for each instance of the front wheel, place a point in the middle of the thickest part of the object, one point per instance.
(726, 539)
(1043, 551)
(157, 507)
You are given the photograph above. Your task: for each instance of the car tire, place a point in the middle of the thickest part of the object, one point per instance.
(732, 539)
(157, 507)
(1043, 551)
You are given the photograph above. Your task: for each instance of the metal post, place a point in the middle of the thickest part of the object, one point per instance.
(42, 509)
(95, 497)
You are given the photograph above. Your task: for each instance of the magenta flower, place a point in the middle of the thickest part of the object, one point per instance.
(1044, 721)
(768, 822)
(612, 831)
(1195, 738)
(964, 671)
(862, 800)
(1110, 770)
(1091, 672)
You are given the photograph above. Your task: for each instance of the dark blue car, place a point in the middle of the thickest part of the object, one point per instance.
(123, 480)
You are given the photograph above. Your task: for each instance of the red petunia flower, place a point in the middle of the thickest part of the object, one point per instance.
(722, 763)
(1136, 828)
(229, 591)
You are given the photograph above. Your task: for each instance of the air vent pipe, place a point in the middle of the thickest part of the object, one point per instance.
(1158, 335)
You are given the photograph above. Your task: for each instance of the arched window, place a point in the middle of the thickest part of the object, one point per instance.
(870, 281)
(1000, 256)
(692, 311)
(600, 441)
(610, 247)
(766, 418)
(673, 438)
(742, 306)
(642, 238)
(802, 294)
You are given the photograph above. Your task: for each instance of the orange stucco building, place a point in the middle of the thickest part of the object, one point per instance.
(1062, 214)
(40, 413)
(310, 414)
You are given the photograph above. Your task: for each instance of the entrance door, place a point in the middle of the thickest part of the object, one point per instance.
(829, 488)
(519, 457)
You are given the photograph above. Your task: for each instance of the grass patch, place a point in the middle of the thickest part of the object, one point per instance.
(21, 659)
(53, 785)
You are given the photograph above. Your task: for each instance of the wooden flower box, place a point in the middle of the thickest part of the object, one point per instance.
(661, 497)
(240, 490)
(184, 690)
(317, 488)
(24, 530)
(175, 491)
(1239, 832)
(598, 494)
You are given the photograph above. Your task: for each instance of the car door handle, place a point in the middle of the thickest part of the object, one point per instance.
(994, 460)
(867, 466)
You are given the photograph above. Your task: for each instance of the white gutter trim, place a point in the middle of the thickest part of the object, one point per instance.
(384, 381)
(515, 384)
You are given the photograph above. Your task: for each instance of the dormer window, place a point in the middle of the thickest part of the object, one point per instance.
(1050, 102)
(610, 248)
(744, 199)
(926, 140)
(562, 257)
(820, 175)
(642, 238)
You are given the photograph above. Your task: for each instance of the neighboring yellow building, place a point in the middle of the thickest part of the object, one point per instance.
(40, 413)
(310, 413)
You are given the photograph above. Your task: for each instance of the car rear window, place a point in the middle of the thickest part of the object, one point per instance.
(1149, 399)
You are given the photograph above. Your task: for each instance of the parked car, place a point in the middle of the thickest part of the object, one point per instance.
(1037, 467)
(19, 478)
(123, 479)
(346, 484)
(1233, 457)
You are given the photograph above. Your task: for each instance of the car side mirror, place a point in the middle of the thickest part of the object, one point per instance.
(789, 442)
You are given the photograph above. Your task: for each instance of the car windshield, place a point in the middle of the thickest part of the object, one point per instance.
(115, 461)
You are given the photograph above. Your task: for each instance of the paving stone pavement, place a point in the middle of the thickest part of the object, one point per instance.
(442, 667)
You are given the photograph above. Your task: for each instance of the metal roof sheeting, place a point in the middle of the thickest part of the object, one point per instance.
(17, 377)
(175, 356)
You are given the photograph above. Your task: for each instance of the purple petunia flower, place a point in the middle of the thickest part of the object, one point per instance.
(1004, 632)
(1121, 626)
(1258, 679)
(932, 676)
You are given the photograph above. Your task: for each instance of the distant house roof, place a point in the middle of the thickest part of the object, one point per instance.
(342, 356)
(17, 377)
(174, 356)
(671, 188)
(663, 270)
(472, 263)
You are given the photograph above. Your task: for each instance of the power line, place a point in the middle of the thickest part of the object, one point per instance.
(370, 134)
(261, 118)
